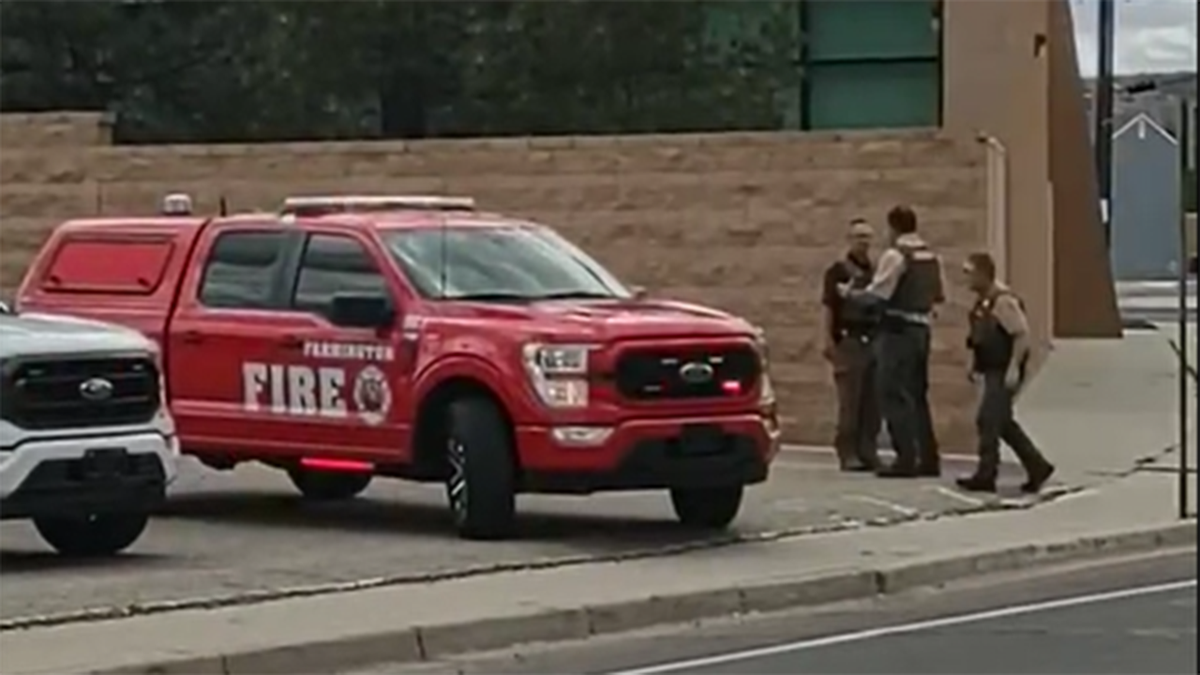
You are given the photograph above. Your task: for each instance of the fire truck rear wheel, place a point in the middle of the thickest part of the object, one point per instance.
(712, 508)
(102, 534)
(328, 486)
(482, 477)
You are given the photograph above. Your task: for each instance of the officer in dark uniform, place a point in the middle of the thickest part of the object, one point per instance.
(908, 286)
(999, 344)
(849, 329)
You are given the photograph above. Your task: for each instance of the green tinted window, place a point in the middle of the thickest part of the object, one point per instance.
(873, 95)
(872, 64)
(871, 29)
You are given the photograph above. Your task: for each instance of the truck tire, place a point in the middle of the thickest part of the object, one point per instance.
(328, 486)
(707, 508)
(96, 535)
(481, 483)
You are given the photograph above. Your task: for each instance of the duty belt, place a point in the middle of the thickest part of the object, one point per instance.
(859, 334)
(908, 317)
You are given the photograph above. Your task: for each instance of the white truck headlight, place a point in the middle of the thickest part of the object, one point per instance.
(558, 373)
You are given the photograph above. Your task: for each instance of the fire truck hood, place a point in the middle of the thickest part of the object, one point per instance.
(614, 320)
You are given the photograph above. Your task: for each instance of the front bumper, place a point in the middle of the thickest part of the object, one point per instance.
(649, 454)
(89, 475)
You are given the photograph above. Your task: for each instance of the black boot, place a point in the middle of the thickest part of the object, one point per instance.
(1037, 478)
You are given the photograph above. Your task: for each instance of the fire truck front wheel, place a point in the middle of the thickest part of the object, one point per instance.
(482, 477)
(712, 508)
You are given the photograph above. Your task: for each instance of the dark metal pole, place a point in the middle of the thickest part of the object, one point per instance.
(1103, 118)
(1186, 379)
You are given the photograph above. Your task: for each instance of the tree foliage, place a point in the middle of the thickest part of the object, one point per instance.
(269, 70)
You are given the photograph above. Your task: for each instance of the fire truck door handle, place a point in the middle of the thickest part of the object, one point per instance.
(292, 342)
(192, 337)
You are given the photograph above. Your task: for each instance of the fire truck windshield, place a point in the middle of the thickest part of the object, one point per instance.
(502, 263)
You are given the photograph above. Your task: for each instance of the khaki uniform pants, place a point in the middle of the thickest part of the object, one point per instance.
(858, 418)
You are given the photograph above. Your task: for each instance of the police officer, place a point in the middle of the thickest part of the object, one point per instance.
(907, 285)
(999, 343)
(848, 331)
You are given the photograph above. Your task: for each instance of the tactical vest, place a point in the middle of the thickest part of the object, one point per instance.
(991, 346)
(857, 317)
(920, 285)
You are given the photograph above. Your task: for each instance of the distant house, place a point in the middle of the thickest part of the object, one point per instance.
(1160, 102)
(1146, 205)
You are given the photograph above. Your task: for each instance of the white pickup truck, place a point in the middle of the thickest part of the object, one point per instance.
(87, 446)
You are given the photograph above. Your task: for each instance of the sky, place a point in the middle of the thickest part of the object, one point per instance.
(1153, 36)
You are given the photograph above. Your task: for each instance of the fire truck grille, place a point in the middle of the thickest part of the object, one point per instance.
(687, 373)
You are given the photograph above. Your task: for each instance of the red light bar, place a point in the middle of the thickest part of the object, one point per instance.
(731, 387)
(327, 464)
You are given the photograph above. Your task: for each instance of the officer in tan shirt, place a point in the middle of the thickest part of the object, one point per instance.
(1000, 348)
(908, 285)
(849, 332)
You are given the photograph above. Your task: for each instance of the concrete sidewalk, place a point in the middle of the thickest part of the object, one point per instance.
(1102, 408)
(320, 634)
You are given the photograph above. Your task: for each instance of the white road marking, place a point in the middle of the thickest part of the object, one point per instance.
(822, 450)
(955, 494)
(916, 626)
(1063, 494)
(797, 465)
(793, 504)
(891, 506)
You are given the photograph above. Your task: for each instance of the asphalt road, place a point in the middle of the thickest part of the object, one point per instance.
(229, 534)
(1127, 616)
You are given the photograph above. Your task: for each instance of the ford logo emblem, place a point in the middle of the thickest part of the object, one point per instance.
(96, 389)
(696, 373)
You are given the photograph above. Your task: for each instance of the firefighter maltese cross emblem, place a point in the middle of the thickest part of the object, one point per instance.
(372, 396)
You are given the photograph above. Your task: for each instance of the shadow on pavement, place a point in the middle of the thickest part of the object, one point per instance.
(372, 516)
(41, 562)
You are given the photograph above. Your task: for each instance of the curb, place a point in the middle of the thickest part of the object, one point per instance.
(434, 642)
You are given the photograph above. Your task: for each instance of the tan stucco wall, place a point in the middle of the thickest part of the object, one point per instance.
(1083, 266)
(745, 222)
(1010, 73)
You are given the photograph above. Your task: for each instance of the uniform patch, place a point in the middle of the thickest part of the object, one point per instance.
(372, 395)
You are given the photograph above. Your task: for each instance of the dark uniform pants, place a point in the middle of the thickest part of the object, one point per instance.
(903, 376)
(858, 419)
(995, 422)
(926, 439)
